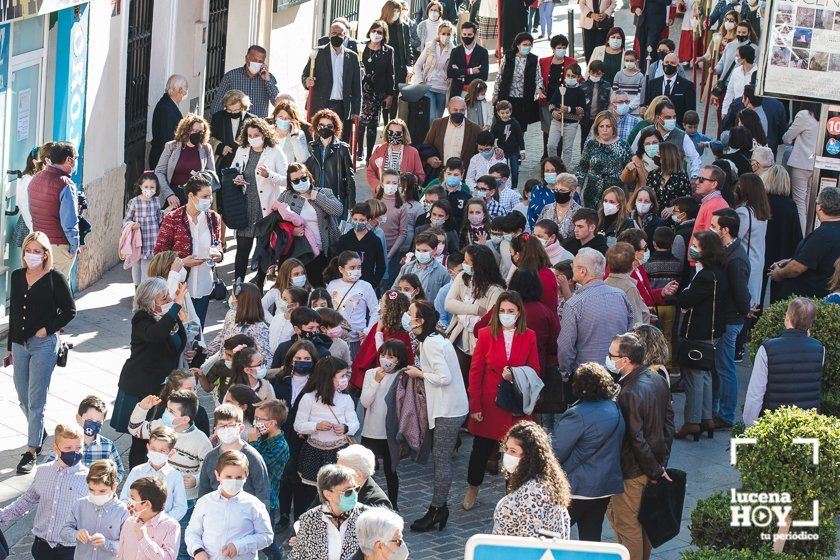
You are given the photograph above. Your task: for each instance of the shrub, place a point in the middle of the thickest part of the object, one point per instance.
(826, 329)
(740, 554)
(710, 526)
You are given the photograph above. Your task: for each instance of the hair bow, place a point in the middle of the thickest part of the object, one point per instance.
(238, 348)
(392, 295)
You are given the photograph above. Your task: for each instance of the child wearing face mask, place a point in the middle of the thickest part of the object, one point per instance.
(394, 223)
(161, 447)
(280, 329)
(95, 447)
(149, 533)
(352, 296)
(567, 111)
(631, 80)
(249, 368)
(96, 519)
(177, 380)
(428, 269)
(218, 377)
(392, 306)
(484, 159)
(142, 218)
(335, 327)
(54, 501)
(362, 240)
(224, 527)
(393, 355)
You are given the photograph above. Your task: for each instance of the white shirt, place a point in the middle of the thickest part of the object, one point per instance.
(669, 82)
(307, 212)
(480, 166)
(355, 303)
(312, 411)
(446, 396)
(335, 538)
(298, 383)
(373, 399)
(279, 331)
(22, 199)
(241, 520)
(453, 139)
(337, 92)
(688, 149)
(200, 281)
(176, 497)
(735, 88)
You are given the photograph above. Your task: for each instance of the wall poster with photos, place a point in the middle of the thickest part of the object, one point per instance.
(800, 50)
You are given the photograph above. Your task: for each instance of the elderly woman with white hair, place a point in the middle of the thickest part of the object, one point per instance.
(363, 462)
(379, 532)
(564, 207)
(328, 531)
(157, 340)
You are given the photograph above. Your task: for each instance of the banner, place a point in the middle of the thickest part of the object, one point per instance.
(17, 9)
(71, 80)
(800, 52)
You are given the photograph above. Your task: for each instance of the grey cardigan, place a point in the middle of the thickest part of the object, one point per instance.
(169, 159)
(327, 208)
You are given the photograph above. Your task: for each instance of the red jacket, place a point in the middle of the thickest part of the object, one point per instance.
(410, 163)
(488, 361)
(175, 234)
(544, 322)
(652, 297)
(45, 203)
(549, 287)
(545, 68)
(368, 354)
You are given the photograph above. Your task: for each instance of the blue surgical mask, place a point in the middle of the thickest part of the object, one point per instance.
(168, 418)
(347, 503)
(405, 320)
(261, 372)
(204, 204)
(452, 181)
(302, 186)
(669, 124)
(423, 256)
(525, 50)
(652, 150)
(622, 108)
(693, 253)
(609, 363)
(467, 268)
(284, 124)
(644, 258)
(559, 53)
(550, 177)
(299, 281)
(487, 153)
(571, 82)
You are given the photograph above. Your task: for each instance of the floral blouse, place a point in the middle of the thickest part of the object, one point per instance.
(600, 167)
(526, 511)
(676, 186)
(565, 225)
(257, 331)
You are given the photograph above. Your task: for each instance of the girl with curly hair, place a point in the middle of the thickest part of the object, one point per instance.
(587, 443)
(538, 491)
(392, 305)
(262, 172)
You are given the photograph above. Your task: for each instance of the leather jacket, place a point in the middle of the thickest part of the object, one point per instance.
(337, 169)
(645, 402)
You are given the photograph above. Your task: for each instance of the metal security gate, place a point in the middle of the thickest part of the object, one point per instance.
(348, 9)
(137, 90)
(216, 50)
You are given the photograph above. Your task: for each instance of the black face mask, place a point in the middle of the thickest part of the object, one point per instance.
(306, 335)
(562, 197)
(743, 38)
(669, 69)
(395, 138)
(662, 54)
(457, 118)
(195, 138)
(325, 132)
(233, 116)
(467, 40)
(336, 41)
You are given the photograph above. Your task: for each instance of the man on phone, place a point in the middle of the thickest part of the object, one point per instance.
(254, 79)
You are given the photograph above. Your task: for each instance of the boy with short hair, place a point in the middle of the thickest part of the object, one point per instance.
(96, 519)
(95, 447)
(161, 447)
(364, 242)
(331, 325)
(508, 197)
(509, 137)
(662, 267)
(149, 533)
(229, 425)
(54, 491)
(306, 323)
(267, 437)
(484, 159)
(691, 122)
(229, 522)
(431, 194)
(453, 267)
(457, 191)
(431, 273)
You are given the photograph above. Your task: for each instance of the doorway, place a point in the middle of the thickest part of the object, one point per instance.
(139, 54)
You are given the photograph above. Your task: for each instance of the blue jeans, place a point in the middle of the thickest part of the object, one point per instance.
(182, 550)
(201, 304)
(437, 103)
(33, 368)
(546, 17)
(513, 163)
(725, 396)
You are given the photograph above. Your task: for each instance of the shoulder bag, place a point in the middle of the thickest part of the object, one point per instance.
(698, 354)
(508, 397)
(350, 439)
(720, 87)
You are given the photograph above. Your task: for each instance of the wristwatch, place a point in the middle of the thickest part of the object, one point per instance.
(196, 551)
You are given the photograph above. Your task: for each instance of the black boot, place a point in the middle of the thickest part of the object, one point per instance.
(435, 515)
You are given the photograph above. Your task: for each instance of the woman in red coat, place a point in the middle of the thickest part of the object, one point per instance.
(506, 343)
(391, 308)
(527, 251)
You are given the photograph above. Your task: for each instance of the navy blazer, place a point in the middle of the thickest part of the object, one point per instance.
(457, 69)
(165, 119)
(774, 111)
(587, 442)
(683, 95)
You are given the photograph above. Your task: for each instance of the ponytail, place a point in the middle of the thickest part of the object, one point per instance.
(331, 272)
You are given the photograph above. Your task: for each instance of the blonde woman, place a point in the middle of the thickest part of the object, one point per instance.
(431, 67)
(784, 229)
(262, 168)
(40, 304)
(289, 129)
(602, 159)
(395, 152)
(226, 124)
(188, 153)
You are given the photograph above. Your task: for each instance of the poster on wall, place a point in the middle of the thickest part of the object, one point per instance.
(800, 51)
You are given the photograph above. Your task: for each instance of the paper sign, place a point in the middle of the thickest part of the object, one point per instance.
(23, 112)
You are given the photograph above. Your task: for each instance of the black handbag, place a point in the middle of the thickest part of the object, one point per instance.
(552, 399)
(698, 354)
(509, 398)
(219, 291)
(63, 347)
(661, 508)
(720, 86)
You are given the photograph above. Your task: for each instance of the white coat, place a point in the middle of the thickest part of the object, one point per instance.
(269, 187)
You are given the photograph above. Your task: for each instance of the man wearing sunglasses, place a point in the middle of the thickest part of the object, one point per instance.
(708, 189)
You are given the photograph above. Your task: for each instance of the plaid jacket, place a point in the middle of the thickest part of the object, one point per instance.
(175, 234)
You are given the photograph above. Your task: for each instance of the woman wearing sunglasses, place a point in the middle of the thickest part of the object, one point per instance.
(317, 207)
(340, 507)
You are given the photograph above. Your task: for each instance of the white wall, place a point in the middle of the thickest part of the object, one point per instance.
(243, 30)
(292, 39)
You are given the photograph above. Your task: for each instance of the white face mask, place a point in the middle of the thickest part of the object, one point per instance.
(610, 208)
(100, 499)
(507, 319)
(594, 79)
(729, 25)
(390, 189)
(376, 37)
(509, 462)
(354, 275)
(615, 43)
(434, 16)
(157, 459)
(232, 486)
(643, 207)
(228, 434)
(256, 142)
(149, 193)
(255, 67)
(630, 65)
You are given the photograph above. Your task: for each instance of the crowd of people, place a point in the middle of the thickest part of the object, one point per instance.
(552, 320)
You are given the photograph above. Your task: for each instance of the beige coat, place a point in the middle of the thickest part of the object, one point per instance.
(466, 315)
(641, 313)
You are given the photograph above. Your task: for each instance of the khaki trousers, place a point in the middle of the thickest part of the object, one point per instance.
(623, 513)
(62, 259)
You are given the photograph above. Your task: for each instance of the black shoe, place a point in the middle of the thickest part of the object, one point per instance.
(282, 524)
(492, 467)
(43, 439)
(739, 356)
(26, 464)
(435, 516)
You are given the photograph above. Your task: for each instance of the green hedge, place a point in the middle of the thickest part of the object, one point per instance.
(741, 554)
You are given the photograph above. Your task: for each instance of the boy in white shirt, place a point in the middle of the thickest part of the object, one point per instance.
(161, 448)
(484, 159)
(229, 522)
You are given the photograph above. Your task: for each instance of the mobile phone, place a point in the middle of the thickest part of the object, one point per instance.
(8, 360)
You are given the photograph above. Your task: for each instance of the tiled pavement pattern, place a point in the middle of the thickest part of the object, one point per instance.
(101, 334)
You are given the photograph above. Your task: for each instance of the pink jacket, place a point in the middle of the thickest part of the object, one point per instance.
(290, 216)
(410, 162)
(131, 245)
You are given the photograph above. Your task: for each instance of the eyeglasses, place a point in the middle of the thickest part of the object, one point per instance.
(349, 492)
(298, 180)
(398, 542)
(331, 126)
(702, 179)
(263, 420)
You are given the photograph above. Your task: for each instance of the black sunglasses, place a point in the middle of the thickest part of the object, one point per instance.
(298, 181)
